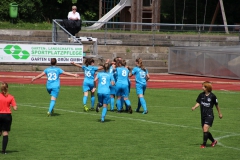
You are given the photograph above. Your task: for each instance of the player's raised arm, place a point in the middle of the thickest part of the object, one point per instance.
(38, 76)
(75, 64)
(70, 74)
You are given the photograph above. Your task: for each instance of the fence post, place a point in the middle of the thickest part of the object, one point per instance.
(199, 32)
(105, 35)
(154, 29)
(239, 35)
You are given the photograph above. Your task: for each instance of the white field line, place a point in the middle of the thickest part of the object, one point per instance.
(227, 136)
(152, 122)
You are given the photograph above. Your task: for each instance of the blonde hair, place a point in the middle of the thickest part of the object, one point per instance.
(4, 88)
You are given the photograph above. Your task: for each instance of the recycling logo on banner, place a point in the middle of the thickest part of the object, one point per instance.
(16, 52)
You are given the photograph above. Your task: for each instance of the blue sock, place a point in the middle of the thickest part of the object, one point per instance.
(112, 103)
(119, 104)
(51, 106)
(139, 104)
(122, 102)
(128, 103)
(104, 113)
(143, 103)
(92, 101)
(85, 100)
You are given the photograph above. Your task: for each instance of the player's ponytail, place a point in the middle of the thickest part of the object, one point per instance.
(140, 63)
(4, 88)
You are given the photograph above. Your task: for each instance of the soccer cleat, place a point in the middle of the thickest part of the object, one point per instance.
(214, 143)
(52, 111)
(92, 109)
(130, 109)
(48, 114)
(98, 107)
(85, 109)
(145, 112)
(202, 146)
(137, 110)
(3, 152)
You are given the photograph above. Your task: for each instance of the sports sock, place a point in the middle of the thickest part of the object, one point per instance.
(112, 103)
(51, 106)
(122, 102)
(128, 103)
(119, 104)
(85, 100)
(205, 138)
(143, 103)
(104, 113)
(92, 101)
(139, 104)
(4, 143)
(210, 137)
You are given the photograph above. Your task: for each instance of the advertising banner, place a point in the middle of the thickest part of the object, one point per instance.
(34, 53)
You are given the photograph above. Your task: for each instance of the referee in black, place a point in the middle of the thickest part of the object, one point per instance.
(206, 100)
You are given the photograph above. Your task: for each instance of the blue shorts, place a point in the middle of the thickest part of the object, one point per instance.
(103, 98)
(122, 90)
(112, 90)
(140, 89)
(87, 87)
(53, 91)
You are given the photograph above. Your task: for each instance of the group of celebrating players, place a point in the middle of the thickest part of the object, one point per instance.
(112, 80)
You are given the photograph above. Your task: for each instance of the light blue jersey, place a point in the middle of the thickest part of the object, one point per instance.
(53, 74)
(140, 75)
(122, 84)
(104, 82)
(88, 82)
(113, 88)
(53, 81)
(122, 75)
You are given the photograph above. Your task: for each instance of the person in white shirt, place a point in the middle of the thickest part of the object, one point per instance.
(74, 15)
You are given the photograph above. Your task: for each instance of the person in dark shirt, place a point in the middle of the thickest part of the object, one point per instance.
(206, 100)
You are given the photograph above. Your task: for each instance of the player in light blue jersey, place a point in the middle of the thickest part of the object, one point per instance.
(141, 78)
(88, 83)
(53, 82)
(105, 80)
(122, 86)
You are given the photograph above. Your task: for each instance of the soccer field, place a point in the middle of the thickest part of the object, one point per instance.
(171, 130)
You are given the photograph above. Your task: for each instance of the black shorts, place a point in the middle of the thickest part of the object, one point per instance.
(208, 121)
(5, 122)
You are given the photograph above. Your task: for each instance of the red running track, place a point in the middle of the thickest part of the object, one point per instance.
(156, 81)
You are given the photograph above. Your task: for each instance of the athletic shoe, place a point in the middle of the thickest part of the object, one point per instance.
(145, 112)
(136, 110)
(101, 121)
(202, 146)
(130, 109)
(111, 110)
(98, 107)
(92, 109)
(48, 114)
(214, 143)
(4, 152)
(85, 108)
(52, 111)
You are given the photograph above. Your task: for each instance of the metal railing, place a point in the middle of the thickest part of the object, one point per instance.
(158, 33)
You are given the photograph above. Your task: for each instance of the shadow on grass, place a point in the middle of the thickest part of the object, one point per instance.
(105, 121)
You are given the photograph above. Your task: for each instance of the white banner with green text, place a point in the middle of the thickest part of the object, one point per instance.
(34, 53)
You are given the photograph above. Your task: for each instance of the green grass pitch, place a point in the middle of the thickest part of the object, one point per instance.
(169, 131)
